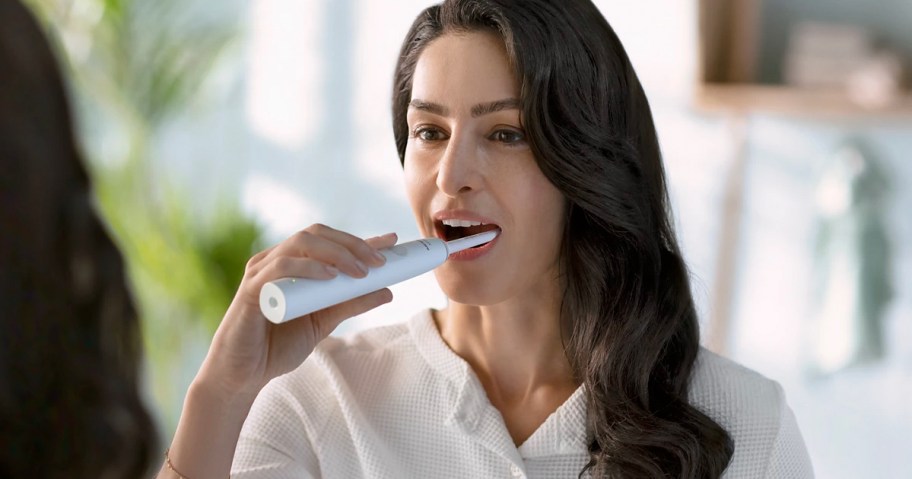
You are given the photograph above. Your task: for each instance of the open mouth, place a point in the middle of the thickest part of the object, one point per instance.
(454, 229)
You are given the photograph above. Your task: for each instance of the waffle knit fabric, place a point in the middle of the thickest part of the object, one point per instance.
(395, 402)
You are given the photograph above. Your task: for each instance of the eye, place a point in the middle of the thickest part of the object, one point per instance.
(508, 136)
(428, 133)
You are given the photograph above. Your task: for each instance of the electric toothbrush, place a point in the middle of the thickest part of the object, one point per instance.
(289, 298)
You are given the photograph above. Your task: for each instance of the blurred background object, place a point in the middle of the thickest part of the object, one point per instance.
(824, 55)
(851, 263)
(280, 118)
(843, 58)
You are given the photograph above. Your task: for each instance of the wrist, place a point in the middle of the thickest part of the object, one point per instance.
(229, 370)
(208, 431)
(209, 390)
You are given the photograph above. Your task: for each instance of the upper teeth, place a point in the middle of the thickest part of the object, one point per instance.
(462, 223)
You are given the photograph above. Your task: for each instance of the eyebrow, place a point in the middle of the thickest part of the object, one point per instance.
(480, 109)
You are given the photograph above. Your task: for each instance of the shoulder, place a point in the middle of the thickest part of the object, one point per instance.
(747, 404)
(723, 387)
(315, 399)
(351, 364)
(378, 340)
(753, 410)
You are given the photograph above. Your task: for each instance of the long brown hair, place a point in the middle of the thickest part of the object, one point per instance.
(633, 332)
(70, 348)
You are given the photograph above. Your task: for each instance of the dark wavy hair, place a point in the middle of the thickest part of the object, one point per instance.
(633, 332)
(69, 338)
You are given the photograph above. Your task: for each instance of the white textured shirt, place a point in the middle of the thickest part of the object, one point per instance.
(396, 402)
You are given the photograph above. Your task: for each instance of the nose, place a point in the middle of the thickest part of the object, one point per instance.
(458, 173)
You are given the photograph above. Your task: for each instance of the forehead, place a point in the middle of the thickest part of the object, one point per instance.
(460, 69)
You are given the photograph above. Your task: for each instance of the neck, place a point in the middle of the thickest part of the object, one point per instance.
(514, 347)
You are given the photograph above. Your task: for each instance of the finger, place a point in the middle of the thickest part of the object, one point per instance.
(255, 261)
(328, 319)
(382, 241)
(357, 246)
(293, 267)
(306, 244)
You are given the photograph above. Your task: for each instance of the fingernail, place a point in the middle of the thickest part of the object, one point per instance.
(361, 266)
(379, 257)
(331, 270)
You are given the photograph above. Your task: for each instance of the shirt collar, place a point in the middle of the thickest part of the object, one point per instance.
(563, 432)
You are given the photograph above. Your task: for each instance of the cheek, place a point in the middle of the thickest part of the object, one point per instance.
(540, 200)
(544, 211)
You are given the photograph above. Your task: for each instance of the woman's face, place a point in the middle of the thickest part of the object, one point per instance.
(468, 161)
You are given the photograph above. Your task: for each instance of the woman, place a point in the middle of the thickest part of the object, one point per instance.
(570, 343)
(69, 337)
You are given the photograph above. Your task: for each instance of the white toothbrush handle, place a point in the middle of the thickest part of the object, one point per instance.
(289, 298)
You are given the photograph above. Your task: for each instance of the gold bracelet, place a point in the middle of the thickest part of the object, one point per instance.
(171, 466)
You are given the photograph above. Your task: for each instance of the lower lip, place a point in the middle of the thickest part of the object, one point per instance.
(473, 253)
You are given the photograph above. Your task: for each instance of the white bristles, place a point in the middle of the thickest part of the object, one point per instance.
(471, 241)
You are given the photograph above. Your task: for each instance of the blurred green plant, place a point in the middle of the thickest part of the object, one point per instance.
(134, 65)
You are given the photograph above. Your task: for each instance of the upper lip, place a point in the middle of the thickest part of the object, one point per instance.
(458, 214)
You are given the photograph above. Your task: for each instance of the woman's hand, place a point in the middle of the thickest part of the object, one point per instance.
(248, 350)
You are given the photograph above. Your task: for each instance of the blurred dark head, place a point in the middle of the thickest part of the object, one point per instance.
(69, 339)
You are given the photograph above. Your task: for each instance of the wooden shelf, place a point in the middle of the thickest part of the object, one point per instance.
(730, 39)
(790, 101)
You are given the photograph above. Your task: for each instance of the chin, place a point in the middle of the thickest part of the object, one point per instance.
(466, 290)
